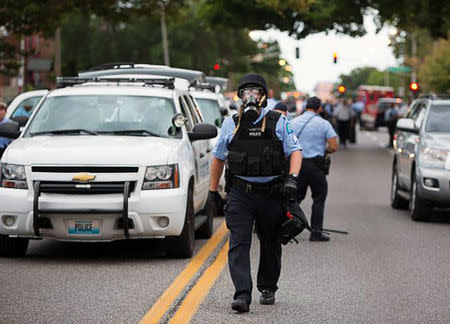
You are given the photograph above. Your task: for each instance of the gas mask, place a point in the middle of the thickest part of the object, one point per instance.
(252, 103)
(251, 109)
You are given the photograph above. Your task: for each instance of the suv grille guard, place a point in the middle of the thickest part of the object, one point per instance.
(37, 211)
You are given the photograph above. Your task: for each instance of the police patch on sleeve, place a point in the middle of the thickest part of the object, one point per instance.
(288, 128)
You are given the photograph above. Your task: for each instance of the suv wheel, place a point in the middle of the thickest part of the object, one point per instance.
(397, 202)
(418, 208)
(13, 247)
(183, 246)
(206, 230)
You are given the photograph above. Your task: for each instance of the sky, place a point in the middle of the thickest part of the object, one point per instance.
(316, 53)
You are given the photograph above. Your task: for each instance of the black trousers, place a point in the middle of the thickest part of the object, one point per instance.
(343, 131)
(311, 175)
(241, 211)
(391, 126)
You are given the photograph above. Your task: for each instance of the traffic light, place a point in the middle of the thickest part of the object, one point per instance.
(216, 67)
(334, 57)
(414, 86)
(341, 89)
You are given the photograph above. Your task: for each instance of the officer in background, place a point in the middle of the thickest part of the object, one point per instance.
(263, 160)
(314, 133)
(4, 142)
(281, 108)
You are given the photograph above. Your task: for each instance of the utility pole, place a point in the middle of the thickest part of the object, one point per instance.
(413, 56)
(163, 4)
(57, 63)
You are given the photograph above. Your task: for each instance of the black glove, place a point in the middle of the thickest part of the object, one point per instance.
(217, 201)
(294, 221)
(289, 187)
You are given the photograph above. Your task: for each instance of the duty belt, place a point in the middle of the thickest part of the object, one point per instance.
(256, 187)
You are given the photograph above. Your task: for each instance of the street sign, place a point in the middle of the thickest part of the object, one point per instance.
(399, 69)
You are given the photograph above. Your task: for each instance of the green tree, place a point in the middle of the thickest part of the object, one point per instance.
(434, 73)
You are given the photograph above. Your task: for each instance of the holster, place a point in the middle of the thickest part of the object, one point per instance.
(323, 163)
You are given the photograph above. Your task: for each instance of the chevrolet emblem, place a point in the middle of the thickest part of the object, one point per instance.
(83, 177)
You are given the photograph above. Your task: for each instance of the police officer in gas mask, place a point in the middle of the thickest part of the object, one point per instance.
(263, 158)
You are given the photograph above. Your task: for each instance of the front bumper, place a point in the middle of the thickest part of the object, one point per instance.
(440, 196)
(143, 209)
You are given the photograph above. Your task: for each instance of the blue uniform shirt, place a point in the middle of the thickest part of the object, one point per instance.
(22, 112)
(314, 136)
(4, 142)
(283, 131)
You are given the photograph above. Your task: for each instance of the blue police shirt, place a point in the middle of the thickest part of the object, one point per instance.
(22, 112)
(4, 142)
(314, 136)
(283, 131)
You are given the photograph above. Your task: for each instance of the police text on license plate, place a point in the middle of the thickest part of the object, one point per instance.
(84, 227)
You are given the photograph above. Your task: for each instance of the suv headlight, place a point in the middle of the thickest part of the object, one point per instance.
(435, 157)
(13, 176)
(161, 177)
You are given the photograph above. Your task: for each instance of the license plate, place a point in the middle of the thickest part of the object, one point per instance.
(84, 227)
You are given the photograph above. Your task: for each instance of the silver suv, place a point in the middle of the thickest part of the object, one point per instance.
(421, 167)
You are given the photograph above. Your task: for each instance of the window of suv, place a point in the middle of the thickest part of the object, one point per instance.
(210, 110)
(105, 114)
(438, 119)
(26, 107)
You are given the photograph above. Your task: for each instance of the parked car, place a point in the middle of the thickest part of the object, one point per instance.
(421, 166)
(105, 159)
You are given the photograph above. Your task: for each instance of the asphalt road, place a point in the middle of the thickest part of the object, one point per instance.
(388, 270)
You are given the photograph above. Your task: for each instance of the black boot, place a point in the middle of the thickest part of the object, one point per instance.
(318, 236)
(240, 305)
(267, 297)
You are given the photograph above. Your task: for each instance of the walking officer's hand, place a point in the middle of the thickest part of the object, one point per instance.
(289, 187)
(216, 200)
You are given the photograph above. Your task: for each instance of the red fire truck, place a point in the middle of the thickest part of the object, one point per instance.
(373, 113)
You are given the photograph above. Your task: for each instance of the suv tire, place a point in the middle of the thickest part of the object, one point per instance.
(419, 210)
(397, 202)
(13, 247)
(183, 245)
(206, 230)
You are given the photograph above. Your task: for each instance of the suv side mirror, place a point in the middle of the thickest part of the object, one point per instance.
(10, 130)
(203, 131)
(22, 120)
(407, 125)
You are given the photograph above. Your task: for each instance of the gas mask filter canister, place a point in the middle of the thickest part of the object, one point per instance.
(251, 109)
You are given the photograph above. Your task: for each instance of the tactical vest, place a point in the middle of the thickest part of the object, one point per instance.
(256, 153)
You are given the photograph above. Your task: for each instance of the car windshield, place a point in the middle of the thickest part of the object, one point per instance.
(26, 107)
(104, 114)
(210, 110)
(438, 121)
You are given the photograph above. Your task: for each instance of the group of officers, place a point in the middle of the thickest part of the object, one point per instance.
(268, 161)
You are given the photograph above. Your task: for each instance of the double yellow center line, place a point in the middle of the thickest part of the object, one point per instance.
(195, 297)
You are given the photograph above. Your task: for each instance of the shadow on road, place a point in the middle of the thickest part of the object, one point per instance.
(129, 250)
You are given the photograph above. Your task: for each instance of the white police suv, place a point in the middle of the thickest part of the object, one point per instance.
(104, 160)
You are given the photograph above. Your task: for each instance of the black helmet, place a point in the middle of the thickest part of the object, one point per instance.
(252, 79)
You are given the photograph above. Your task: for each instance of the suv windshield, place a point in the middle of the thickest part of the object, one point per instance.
(210, 110)
(108, 114)
(438, 121)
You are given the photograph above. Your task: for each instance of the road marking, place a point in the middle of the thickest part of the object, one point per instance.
(198, 293)
(164, 302)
